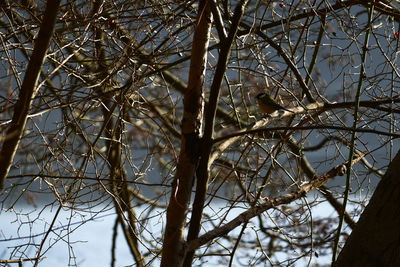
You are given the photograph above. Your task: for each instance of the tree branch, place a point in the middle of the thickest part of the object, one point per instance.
(28, 90)
(270, 203)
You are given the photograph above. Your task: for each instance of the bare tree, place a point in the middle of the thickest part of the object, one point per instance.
(148, 109)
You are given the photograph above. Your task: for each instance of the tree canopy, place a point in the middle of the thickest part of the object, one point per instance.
(148, 108)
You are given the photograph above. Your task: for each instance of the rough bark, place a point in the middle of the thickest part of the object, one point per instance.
(375, 240)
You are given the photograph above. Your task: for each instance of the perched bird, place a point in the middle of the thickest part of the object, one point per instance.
(268, 105)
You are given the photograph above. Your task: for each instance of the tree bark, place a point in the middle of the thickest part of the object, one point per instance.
(206, 141)
(173, 246)
(28, 90)
(375, 240)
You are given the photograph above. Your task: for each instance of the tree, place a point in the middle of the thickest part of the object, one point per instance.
(380, 220)
(149, 108)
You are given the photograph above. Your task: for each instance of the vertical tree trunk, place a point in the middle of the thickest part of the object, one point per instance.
(173, 247)
(203, 170)
(376, 239)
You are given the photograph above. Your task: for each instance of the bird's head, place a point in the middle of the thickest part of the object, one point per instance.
(261, 95)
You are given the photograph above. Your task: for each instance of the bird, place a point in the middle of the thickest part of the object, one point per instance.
(268, 105)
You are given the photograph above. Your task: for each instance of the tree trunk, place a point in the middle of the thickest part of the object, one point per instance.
(376, 239)
(178, 207)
